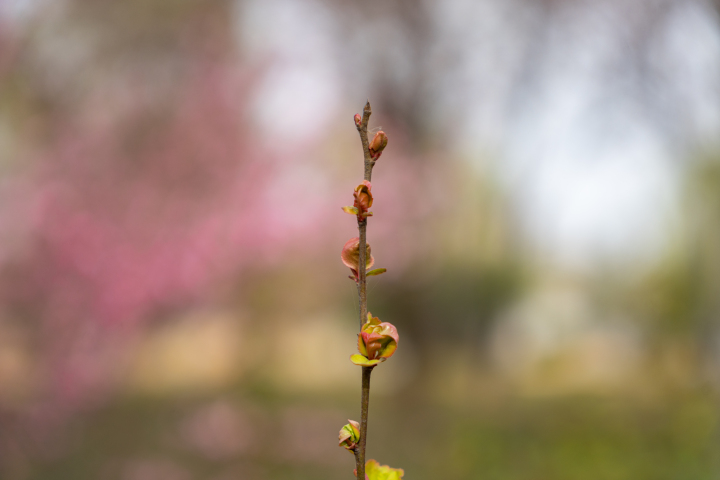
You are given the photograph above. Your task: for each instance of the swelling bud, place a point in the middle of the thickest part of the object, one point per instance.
(378, 144)
(350, 435)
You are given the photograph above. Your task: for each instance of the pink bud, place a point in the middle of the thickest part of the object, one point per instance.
(358, 120)
(350, 256)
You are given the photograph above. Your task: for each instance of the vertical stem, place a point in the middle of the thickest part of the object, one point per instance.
(364, 405)
(362, 298)
(369, 162)
(362, 272)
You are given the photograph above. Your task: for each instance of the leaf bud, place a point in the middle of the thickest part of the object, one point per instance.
(378, 144)
(349, 435)
(350, 256)
(377, 341)
(363, 200)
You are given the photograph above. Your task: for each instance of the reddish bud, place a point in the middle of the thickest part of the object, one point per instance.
(358, 120)
(378, 144)
(377, 341)
(350, 256)
(363, 200)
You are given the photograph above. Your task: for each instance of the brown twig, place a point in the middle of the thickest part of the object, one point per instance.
(362, 272)
(362, 297)
(364, 405)
(362, 225)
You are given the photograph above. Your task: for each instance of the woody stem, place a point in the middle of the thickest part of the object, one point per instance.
(362, 298)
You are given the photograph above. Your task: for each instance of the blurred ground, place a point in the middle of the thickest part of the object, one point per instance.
(172, 304)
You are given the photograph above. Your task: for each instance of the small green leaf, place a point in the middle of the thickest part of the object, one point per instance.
(351, 210)
(377, 271)
(375, 471)
(362, 361)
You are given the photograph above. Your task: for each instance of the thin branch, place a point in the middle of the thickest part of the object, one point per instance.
(362, 272)
(362, 225)
(364, 406)
(369, 163)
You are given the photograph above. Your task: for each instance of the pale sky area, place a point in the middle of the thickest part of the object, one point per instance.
(592, 172)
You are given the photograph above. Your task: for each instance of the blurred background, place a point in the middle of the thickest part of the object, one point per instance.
(172, 301)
